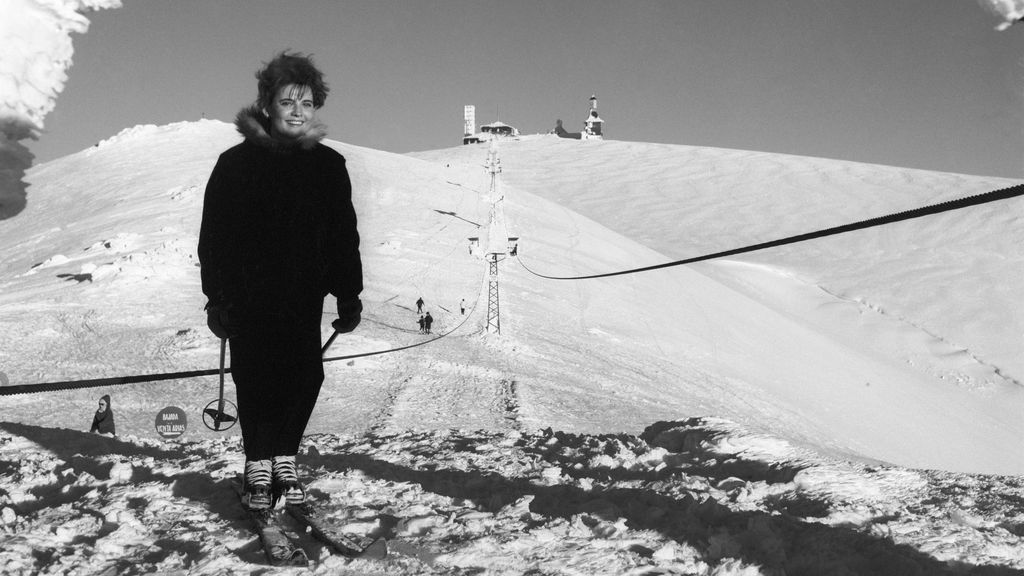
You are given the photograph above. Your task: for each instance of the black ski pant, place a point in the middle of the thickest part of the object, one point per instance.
(277, 370)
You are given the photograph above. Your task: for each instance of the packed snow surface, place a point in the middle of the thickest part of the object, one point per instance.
(850, 405)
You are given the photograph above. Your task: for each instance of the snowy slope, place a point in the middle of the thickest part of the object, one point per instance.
(954, 276)
(791, 374)
(888, 340)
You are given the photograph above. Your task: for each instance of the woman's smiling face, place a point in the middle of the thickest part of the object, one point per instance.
(291, 112)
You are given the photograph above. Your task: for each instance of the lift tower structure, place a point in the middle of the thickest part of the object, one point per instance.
(497, 239)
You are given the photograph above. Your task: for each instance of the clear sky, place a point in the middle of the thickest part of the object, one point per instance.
(917, 83)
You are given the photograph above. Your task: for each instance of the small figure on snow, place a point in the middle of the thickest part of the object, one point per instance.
(422, 324)
(419, 305)
(278, 234)
(103, 420)
(462, 306)
(427, 321)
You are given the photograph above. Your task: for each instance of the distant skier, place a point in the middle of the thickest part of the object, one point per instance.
(103, 420)
(278, 234)
(419, 305)
(422, 324)
(427, 321)
(462, 306)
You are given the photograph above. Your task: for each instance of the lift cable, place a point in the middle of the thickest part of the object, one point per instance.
(141, 378)
(1002, 194)
(993, 196)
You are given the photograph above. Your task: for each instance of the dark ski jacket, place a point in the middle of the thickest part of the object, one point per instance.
(279, 230)
(103, 422)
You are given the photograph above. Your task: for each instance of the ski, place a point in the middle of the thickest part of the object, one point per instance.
(346, 544)
(279, 549)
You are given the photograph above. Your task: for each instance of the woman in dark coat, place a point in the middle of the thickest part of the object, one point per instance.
(279, 234)
(103, 420)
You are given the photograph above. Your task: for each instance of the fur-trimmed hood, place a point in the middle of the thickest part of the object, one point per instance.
(255, 127)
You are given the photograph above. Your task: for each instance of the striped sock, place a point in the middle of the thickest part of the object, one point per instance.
(286, 480)
(256, 490)
(284, 469)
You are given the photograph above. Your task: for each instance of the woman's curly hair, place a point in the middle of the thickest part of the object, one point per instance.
(290, 68)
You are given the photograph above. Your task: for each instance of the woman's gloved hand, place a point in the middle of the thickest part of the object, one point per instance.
(349, 312)
(220, 321)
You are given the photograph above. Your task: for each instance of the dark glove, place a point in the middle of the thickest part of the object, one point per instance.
(348, 315)
(220, 322)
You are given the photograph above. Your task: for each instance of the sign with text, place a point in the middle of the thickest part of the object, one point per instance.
(171, 422)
